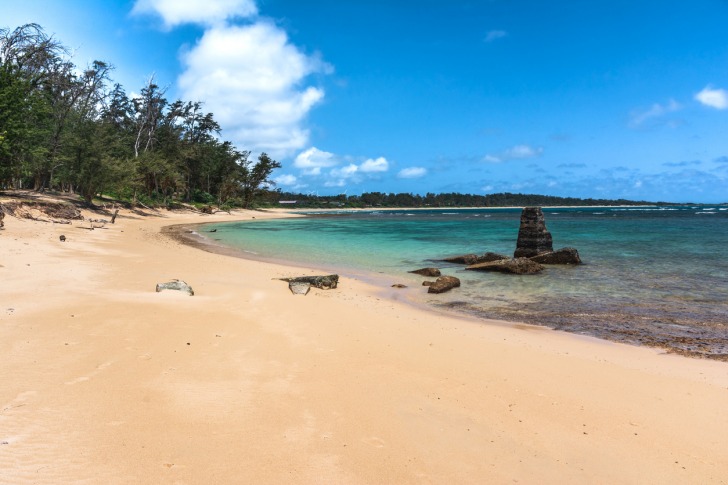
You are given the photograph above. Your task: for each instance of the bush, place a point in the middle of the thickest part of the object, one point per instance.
(202, 197)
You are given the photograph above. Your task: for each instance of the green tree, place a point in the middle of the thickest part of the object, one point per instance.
(257, 177)
(28, 58)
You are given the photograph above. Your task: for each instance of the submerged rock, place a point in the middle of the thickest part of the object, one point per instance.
(177, 285)
(443, 284)
(431, 272)
(511, 265)
(533, 238)
(475, 258)
(561, 256)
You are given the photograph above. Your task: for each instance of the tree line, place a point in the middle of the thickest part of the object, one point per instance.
(72, 129)
(452, 199)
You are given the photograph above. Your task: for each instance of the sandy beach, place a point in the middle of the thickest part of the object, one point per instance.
(106, 381)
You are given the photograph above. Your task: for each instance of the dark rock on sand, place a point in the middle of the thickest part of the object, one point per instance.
(427, 283)
(399, 285)
(512, 265)
(177, 285)
(443, 284)
(475, 258)
(533, 238)
(430, 272)
(561, 256)
(322, 282)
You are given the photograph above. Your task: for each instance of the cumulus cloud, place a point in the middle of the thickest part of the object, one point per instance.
(328, 169)
(345, 172)
(252, 78)
(313, 160)
(206, 12)
(340, 177)
(495, 34)
(514, 153)
(286, 180)
(412, 172)
(372, 165)
(714, 98)
(639, 117)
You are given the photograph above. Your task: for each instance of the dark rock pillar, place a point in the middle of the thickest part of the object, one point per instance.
(533, 238)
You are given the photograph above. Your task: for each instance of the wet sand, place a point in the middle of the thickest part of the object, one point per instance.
(107, 381)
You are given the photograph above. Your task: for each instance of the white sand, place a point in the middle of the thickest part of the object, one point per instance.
(106, 381)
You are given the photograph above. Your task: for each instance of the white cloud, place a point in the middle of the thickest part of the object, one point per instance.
(495, 34)
(286, 179)
(313, 160)
(345, 172)
(657, 110)
(339, 177)
(206, 12)
(251, 78)
(412, 172)
(715, 98)
(378, 165)
(514, 153)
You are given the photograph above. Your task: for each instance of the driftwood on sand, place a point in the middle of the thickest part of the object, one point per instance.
(322, 282)
(301, 285)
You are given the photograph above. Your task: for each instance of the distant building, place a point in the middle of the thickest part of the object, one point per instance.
(287, 201)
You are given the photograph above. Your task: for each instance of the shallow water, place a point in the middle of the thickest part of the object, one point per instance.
(653, 276)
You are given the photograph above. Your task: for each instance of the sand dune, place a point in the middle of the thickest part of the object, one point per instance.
(106, 381)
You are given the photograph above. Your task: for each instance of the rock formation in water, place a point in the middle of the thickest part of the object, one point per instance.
(533, 238)
(510, 265)
(430, 272)
(474, 258)
(560, 256)
(443, 284)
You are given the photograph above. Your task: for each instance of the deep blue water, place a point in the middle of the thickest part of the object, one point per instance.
(655, 276)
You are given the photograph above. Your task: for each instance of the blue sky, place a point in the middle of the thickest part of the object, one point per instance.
(603, 99)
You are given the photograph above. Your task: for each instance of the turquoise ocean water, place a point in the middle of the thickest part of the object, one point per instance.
(653, 276)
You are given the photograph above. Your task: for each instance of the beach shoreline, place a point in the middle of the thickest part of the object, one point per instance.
(106, 380)
(697, 336)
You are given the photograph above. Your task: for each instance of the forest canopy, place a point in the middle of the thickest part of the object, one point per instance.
(70, 128)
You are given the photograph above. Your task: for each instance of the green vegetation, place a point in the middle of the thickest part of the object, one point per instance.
(379, 199)
(69, 129)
